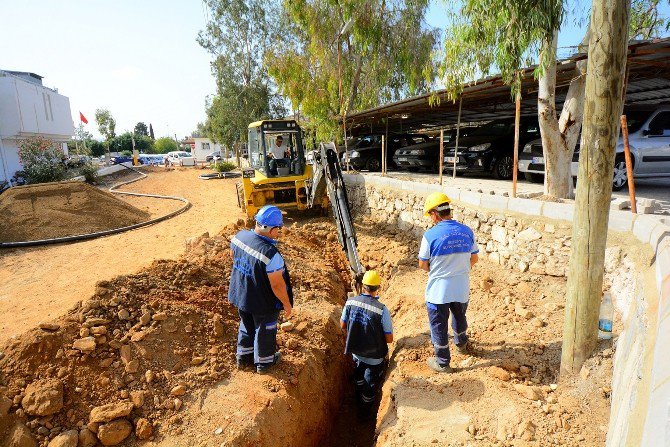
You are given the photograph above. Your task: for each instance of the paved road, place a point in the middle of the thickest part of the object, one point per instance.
(657, 189)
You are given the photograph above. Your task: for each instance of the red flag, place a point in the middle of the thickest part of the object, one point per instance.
(83, 118)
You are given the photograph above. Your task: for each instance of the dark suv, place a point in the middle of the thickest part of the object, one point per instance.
(490, 148)
(366, 153)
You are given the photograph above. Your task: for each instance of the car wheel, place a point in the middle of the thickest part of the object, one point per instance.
(502, 169)
(620, 177)
(373, 164)
(533, 177)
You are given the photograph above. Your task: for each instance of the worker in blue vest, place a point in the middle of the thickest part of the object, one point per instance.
(448, 251)
(260, 287)
(368, 327)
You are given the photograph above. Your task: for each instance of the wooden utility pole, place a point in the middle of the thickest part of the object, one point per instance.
(600, 129)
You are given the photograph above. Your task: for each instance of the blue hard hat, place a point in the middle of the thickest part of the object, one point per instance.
(270, 216)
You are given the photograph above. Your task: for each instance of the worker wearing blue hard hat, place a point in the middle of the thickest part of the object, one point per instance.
(260, 287)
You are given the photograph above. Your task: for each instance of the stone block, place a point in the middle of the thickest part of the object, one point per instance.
(621, 220)
(660, 233)
(655, 431)
(644, 226)
(526, 206)
(499, 234)
(471, 198)
(559, 211)
(453, 192)
(494, 202)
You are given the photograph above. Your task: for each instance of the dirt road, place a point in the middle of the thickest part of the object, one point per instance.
(38, 284)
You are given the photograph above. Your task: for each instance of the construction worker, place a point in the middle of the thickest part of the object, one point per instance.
(448, 252)
(368, 328)
(260, 286)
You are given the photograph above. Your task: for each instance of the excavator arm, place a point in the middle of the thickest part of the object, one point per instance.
(328, 179)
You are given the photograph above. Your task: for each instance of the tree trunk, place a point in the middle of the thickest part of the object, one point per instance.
(559, 136)
(604, 87)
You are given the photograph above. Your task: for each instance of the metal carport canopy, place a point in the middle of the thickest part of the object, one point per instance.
(490, 98)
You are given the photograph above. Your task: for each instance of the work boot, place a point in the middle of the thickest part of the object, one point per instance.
(435, 366)
(463, 348)
(243, 363)
(264, 367)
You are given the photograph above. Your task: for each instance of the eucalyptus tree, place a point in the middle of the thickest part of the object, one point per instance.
(106, 125)
(337, 56)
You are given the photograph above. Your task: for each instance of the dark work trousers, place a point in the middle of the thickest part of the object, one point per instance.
(257, 337)
(438, 318)
(367, 379)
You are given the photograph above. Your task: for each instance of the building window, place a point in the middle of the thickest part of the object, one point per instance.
(205, 146)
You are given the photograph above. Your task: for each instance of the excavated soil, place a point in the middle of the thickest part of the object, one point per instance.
(51, 210)
(158, 344)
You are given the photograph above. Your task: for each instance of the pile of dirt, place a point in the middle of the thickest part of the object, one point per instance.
(137, 359)
(51, 210)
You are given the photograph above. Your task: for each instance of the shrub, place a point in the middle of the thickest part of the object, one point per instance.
(224, 166)
(89, 171)
(43, 160)
(127, 153)
(165, 144)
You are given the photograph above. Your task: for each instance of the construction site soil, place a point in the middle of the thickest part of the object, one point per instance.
(52, 210)
(148, 359)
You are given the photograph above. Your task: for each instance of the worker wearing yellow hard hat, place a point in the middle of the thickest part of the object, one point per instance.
(368, 328)
(448, 251)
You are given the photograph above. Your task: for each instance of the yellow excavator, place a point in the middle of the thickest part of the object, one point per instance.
(280, 175)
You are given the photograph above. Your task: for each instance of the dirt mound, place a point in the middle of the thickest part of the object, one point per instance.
(147, 346)
(51, 210)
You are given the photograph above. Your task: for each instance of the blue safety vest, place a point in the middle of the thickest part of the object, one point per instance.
(365, 332)
(250, 288)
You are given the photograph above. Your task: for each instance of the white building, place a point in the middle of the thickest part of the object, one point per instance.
(28, 109)
(204, 147)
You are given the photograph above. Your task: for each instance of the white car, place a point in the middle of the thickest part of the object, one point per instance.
(180, 158)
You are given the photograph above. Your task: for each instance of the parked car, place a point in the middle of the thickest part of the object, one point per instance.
(649, 141)
(151, 159)
(214, 156)
(426, 154)
(367, 151)
(490, 148)
(180, 158)
(120, 159)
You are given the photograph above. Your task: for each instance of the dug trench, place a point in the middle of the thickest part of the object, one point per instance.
(149, 359)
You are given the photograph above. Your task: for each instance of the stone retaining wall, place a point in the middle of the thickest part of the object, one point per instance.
(535, 236)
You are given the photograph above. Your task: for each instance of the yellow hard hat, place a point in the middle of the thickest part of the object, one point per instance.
(372, 278)
(434, 200)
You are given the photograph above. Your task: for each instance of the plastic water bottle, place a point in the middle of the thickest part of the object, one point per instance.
(606, 316)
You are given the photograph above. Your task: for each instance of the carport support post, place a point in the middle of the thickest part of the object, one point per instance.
(441, 152)
(458, 131)
(383, 156)
(600, 130)
(515, 167)
(629, 164)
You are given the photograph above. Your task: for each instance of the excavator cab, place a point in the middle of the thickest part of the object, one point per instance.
(278, 174)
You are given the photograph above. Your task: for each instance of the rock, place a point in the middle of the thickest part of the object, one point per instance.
(123, 314)
(109, 412)
(195, 361)
(99, 330)
(218, 326)
(584, 373)
(499, 373)
(86, 344)
(159, 316)
(125, 354)
(286, 326)
(549, 228)
(537, 323)
(218, 431)
(553, 386)
(179, 390)
(529, 392)
(51, 327)
(521, 311)
(137, 398)
(524, 370)
(20, 436)
(143, 429)
(529, 234)
(177, 404)
(499, 234)
(149, 375)
(69, 438)
(132, 366)
(87, 438)
(522, 266)
(145, 318)
(5, 405)
(114, 432)
(43, 397)
(93, 426)
(526, 431)
(486, 283)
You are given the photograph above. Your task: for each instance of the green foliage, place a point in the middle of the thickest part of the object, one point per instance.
(127, 153)
(645, 20)
(97, 148)
(82, 141)
(164, 145)
(42, 160)
(238, 34)
(224, 166)
(200, 131)
(106, 123)
(141, 129)
(386, 54)
(124, 142)
(89, 171)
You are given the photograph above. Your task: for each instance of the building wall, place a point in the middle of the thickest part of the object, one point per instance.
(204, 147)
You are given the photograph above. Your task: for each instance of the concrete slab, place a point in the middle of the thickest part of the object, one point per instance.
(525, 206)
(621, 220)
(660, 233)
(657, 425)
(453, 192)
(494, 202)
(643, 227)
(470, 197)
(559, 211)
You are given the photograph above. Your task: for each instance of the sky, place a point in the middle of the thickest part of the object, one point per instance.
(139, 59)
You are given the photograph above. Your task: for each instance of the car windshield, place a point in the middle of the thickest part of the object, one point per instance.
(636, 119)
(184, 154)
(494, 129)
(367, 141)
